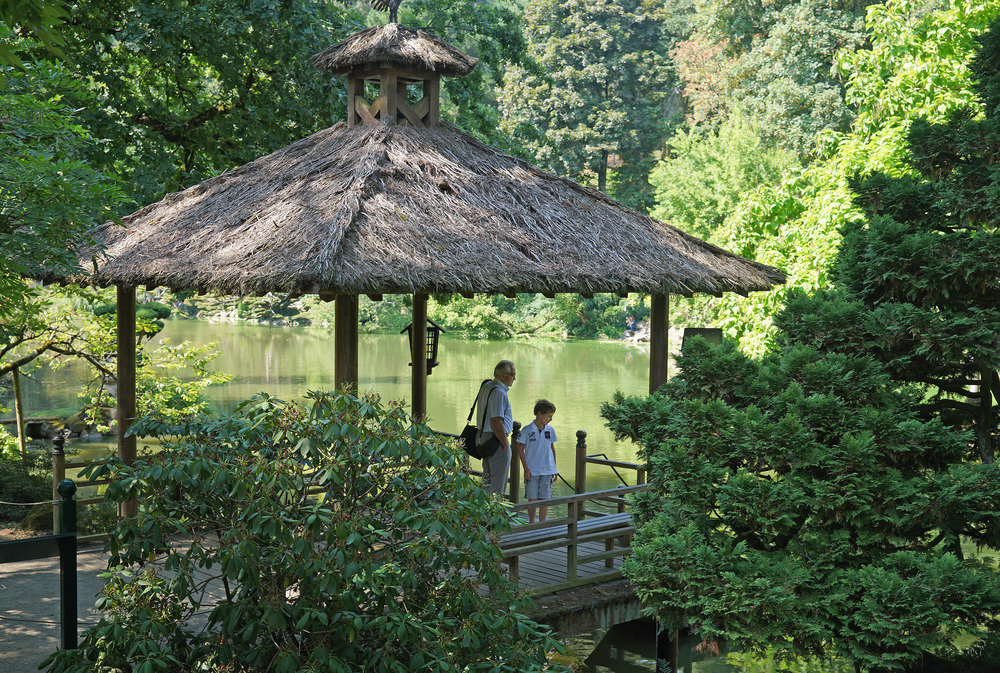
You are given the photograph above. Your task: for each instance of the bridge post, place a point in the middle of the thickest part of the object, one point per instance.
(58, 474)
(67, 565)
(580, 477)
(515, 465)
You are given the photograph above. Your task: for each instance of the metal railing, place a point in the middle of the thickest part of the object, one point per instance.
(64, 545)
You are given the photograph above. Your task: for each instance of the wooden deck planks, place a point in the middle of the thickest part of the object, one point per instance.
(549, 567)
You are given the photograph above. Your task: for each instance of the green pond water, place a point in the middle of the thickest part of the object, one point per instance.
(289, 361)
(576, 376)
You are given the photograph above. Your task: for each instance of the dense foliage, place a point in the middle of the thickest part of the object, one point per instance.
(917, 281)
(50, 199)
(838, 484)
(914, 69)
(593, 107)
(772, 60)
(334, 536)
(707, 171)
(802, 503)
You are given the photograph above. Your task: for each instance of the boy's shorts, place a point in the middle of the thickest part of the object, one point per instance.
(539, 487)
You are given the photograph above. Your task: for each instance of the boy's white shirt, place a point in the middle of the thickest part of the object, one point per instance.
(534, 440)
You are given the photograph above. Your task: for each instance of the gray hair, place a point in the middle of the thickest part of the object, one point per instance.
(503, 367)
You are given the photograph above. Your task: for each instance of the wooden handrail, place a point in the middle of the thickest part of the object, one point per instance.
(614, 463)
(580, 497)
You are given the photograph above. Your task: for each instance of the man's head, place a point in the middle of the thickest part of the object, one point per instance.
(543, 412)
(504, 372)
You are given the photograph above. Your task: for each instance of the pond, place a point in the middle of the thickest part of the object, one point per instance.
(577, 376)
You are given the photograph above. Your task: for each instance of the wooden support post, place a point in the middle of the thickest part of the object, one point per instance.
(580, 477)
(352, 90)
(432, 90)
(571, 549)
(126, 383)
(58, 474)
(659, 330)
(345, 342)
(515, 465)
(391, 96)
(418, 358)
(22, 445)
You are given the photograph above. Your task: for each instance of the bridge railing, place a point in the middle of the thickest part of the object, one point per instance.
(569, 532)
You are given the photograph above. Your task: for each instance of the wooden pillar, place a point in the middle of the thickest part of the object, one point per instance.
(659, 330)
(418, 358)
(22, 445)
(391, 94)
(58, 474)
(345, 342)
(515, 465)
(126, 382)
(432, 91)
(580, 476)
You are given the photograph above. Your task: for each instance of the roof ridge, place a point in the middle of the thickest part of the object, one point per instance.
(374, 143)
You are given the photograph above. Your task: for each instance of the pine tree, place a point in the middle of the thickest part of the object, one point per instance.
(595, 108)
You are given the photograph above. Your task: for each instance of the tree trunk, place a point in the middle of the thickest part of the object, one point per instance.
(19, 414)
(984, 416)
(602, 172)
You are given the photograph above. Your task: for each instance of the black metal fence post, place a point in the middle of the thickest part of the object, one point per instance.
(67, 564)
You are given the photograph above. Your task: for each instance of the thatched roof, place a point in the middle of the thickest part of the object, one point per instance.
(397, 45)
(398, 209)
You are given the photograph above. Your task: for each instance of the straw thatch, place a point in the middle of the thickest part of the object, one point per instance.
(397, 45)
(393, 209)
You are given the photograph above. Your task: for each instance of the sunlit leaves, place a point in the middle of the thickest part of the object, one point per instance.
(351, 539)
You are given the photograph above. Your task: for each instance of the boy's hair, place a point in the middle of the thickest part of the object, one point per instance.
(544, 407)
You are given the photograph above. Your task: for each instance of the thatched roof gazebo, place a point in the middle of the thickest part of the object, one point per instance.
(394, 201)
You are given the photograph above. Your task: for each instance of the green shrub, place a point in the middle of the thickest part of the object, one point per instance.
(23, 481)
(382, 570)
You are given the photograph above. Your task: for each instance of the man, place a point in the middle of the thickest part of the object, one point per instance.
(494, 407)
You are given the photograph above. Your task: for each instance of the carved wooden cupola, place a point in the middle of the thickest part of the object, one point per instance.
(391, 104)
(403, 64)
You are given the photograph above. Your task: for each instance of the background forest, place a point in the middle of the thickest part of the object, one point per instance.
(739, 122)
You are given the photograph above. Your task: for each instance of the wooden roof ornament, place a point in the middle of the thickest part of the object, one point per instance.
(395, 201)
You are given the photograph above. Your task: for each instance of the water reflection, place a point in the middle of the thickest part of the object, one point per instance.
(289, 361)
(631, 648)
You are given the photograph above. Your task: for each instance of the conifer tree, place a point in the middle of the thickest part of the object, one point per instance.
(594, 108)
(835, 497)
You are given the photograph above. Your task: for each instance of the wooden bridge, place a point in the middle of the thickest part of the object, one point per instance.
(572, 564)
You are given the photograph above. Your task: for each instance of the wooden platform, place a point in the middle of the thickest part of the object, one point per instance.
(549, 566)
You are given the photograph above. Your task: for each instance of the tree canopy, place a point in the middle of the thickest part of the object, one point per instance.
(50, 198)
(591, 106)
(803, 504)
(914, 69)
(835, 497)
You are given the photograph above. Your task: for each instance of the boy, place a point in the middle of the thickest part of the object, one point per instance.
(536, 446)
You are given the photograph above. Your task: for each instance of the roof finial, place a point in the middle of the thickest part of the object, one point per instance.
(391, 5)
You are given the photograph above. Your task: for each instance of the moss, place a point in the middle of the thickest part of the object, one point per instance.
(571, 659)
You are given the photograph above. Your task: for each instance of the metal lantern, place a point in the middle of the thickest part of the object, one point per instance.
(431, 348)
(712, 335)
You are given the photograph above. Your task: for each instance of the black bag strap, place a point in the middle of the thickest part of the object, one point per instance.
(482, 426)
(476, 401)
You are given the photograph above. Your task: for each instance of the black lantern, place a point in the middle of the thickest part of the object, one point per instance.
(433, 334)
(712, 335)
